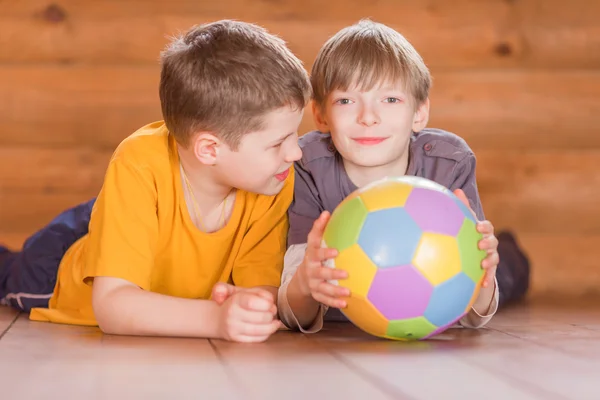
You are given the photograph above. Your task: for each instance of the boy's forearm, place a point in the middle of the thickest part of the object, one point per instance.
(129, 310)
(304, 307)
(484, 300)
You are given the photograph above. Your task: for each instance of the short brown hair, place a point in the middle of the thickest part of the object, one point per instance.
(224, 76)
(366, 54)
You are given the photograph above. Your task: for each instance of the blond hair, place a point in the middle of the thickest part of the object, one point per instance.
(224, 76)
(368, 54)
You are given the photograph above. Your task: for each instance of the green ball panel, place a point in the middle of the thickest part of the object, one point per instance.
(470, 255)
(410, 329)
(345, 224)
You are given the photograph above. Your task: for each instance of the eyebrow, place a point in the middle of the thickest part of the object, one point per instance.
(381, 89)
(281, 139)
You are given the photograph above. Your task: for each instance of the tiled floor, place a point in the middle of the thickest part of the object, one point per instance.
(535, 351)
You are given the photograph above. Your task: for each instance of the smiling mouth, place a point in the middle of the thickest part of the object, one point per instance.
(283, 175)
(369, 141)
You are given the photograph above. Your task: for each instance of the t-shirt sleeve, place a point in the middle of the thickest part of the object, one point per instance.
(305, 208)
(466, 180)
(260, 259)
(123, 226)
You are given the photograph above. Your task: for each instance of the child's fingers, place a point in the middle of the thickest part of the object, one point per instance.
(256, 317)
(326, 274)
(492, 260)
(332, 290)
(222, 291)
(252, 333)
(488, 243)
(316, 233)
(263, 329)
(219, 296)
(265, 294)
(325, 253)
(219, 299)
(252, 302)
(485, 227)
(329, 301)
(316, 256)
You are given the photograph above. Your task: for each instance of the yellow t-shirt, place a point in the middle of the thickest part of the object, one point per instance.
(140, 230)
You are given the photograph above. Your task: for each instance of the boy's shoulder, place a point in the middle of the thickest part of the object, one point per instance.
(147, 146)
(439, 143)
(316, 145)
(142, 158)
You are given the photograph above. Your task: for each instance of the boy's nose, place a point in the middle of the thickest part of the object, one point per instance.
(368, 117)
(294, 154)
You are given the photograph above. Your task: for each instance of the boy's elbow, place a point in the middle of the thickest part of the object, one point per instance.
(108, 327)
(107, 319)
(105, 297)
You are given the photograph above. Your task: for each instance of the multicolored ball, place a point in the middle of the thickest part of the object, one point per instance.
(410, 248)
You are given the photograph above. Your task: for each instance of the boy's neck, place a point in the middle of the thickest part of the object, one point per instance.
(208, 191)
(361, 175)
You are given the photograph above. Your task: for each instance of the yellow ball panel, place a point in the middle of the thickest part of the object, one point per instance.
(350, 197)
(437, 257)
(360, 268)
(365, 316)
(387, 195)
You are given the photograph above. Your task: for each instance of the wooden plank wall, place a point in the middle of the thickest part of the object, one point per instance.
(518, 79)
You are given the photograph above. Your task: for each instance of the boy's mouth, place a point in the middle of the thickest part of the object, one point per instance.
(369, 141)
(281, 176)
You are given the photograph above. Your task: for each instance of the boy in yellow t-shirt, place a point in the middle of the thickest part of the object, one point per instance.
(192, 208)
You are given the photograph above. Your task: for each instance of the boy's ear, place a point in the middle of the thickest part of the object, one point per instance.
(421, 117)
(206, 148)
(318, 118)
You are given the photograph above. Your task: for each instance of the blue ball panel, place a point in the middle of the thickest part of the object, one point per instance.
(449, 299)
(389, 237)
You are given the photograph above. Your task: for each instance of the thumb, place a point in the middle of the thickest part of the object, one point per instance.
(265, 294)
(222, 291)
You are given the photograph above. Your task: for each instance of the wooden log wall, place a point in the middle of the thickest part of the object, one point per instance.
(518, 79)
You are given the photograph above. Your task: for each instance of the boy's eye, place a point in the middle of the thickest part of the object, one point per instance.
(392, 100)
(343, 101)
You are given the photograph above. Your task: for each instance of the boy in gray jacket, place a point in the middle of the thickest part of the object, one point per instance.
(371, 108)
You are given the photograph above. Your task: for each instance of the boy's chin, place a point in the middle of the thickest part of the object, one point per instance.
(271, 189)
(272, 192)
(371, 162)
